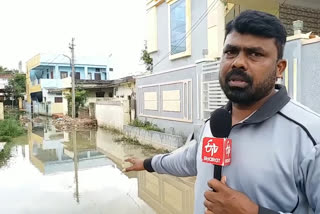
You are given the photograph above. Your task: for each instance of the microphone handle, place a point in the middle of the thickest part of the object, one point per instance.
(217, 172)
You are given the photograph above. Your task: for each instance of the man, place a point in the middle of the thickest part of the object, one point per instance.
(276, 153)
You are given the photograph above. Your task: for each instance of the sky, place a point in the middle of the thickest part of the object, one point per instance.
(100, 28)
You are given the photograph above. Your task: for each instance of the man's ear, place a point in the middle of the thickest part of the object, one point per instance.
(281, 66)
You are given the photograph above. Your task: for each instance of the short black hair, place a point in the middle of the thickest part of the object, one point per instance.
(260, 24)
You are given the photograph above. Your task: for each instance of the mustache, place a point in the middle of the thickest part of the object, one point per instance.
(240, 73)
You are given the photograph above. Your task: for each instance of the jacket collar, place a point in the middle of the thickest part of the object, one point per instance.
(271, 107)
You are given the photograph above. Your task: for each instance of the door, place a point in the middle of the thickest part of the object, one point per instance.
(77, 75)
(97, 76)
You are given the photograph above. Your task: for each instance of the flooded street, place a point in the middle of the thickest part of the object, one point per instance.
(53, 171)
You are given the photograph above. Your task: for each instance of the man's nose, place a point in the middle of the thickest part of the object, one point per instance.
(240, 61)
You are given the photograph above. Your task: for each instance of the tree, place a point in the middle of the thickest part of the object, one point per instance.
(16, 86)
(145, 57)
(5, 70)
(81, 99)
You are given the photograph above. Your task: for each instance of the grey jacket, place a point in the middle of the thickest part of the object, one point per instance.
(275, 159)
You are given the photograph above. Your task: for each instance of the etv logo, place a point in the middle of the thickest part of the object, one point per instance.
(213, 149)
(216, 151)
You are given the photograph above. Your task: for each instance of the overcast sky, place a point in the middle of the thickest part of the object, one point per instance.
(100, 27)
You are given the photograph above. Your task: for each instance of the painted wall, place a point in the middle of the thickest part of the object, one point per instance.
(1, 111)
(3, 83)
(198, 38)
(303, 74)
(292, 54)
(181, 122)
(56, 108)
(310, 76)
(112, 114)
(125, 90)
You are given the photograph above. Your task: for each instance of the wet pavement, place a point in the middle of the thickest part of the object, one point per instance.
(52, 171)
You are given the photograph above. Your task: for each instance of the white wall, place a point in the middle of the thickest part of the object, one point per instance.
(112, 114)
(3, 83)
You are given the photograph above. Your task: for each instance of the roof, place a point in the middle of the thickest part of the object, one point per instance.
(46, 58)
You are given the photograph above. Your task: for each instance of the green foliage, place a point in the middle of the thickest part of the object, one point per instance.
(146, 125)
(16, 87)
(145, 57)
(80, 99)
(5, 154)
(134, 141)
(10, 128)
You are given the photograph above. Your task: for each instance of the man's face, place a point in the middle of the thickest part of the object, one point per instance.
(249, 67)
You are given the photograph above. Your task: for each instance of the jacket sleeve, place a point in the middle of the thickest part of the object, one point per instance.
(310, 173)
(180, 163)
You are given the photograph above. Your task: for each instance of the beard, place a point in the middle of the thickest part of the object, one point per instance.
(250, 93)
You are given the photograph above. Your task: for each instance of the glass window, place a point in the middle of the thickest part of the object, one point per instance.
(58, 99)
(178, 26)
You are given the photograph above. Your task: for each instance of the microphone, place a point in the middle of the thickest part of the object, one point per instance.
(217, 150)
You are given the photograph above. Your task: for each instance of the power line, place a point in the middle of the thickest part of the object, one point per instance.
(195, 25)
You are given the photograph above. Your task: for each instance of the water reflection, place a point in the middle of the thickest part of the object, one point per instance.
(80, 172)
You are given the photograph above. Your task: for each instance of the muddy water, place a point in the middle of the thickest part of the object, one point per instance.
(53, 171)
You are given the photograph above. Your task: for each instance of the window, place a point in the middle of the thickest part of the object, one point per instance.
(63, 74)
(100, 94)
(97, 69)
(110, 69)
(180, 25)
(58, 99)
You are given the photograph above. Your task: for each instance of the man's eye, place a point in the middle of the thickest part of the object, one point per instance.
(230, 52)
(255, 54)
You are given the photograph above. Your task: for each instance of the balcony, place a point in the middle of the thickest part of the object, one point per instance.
(38, 84)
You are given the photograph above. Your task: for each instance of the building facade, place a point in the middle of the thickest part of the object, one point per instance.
(185, 40)
(49, 78)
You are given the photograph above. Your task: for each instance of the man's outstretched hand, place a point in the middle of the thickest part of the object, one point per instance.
(137, 165)
(226, 200)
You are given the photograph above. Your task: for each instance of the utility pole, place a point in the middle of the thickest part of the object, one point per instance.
(71, 46)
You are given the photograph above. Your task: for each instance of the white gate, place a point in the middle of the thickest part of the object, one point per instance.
(212, 95)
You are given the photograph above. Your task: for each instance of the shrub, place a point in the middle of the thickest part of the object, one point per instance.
(145, 125)
(10, 128)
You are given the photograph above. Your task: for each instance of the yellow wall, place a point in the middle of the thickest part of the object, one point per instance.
(152, 30)
(35, 88)
(237, 6)
(1, 111)
(56, 108)
(223, 12)
(33, 62)
(216, 28)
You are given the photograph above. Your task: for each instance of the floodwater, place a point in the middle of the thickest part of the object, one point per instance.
(52, 171)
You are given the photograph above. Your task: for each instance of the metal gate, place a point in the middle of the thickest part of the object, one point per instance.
(212, 95)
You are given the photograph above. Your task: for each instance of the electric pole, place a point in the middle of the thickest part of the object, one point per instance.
(71, 46)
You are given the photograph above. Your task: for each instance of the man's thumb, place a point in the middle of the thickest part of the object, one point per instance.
(224, 180)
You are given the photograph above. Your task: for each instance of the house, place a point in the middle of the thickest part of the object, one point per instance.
(120, 108)
(49, 78)
(185, 40)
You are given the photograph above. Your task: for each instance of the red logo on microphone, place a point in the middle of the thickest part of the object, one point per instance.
(217, 151)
